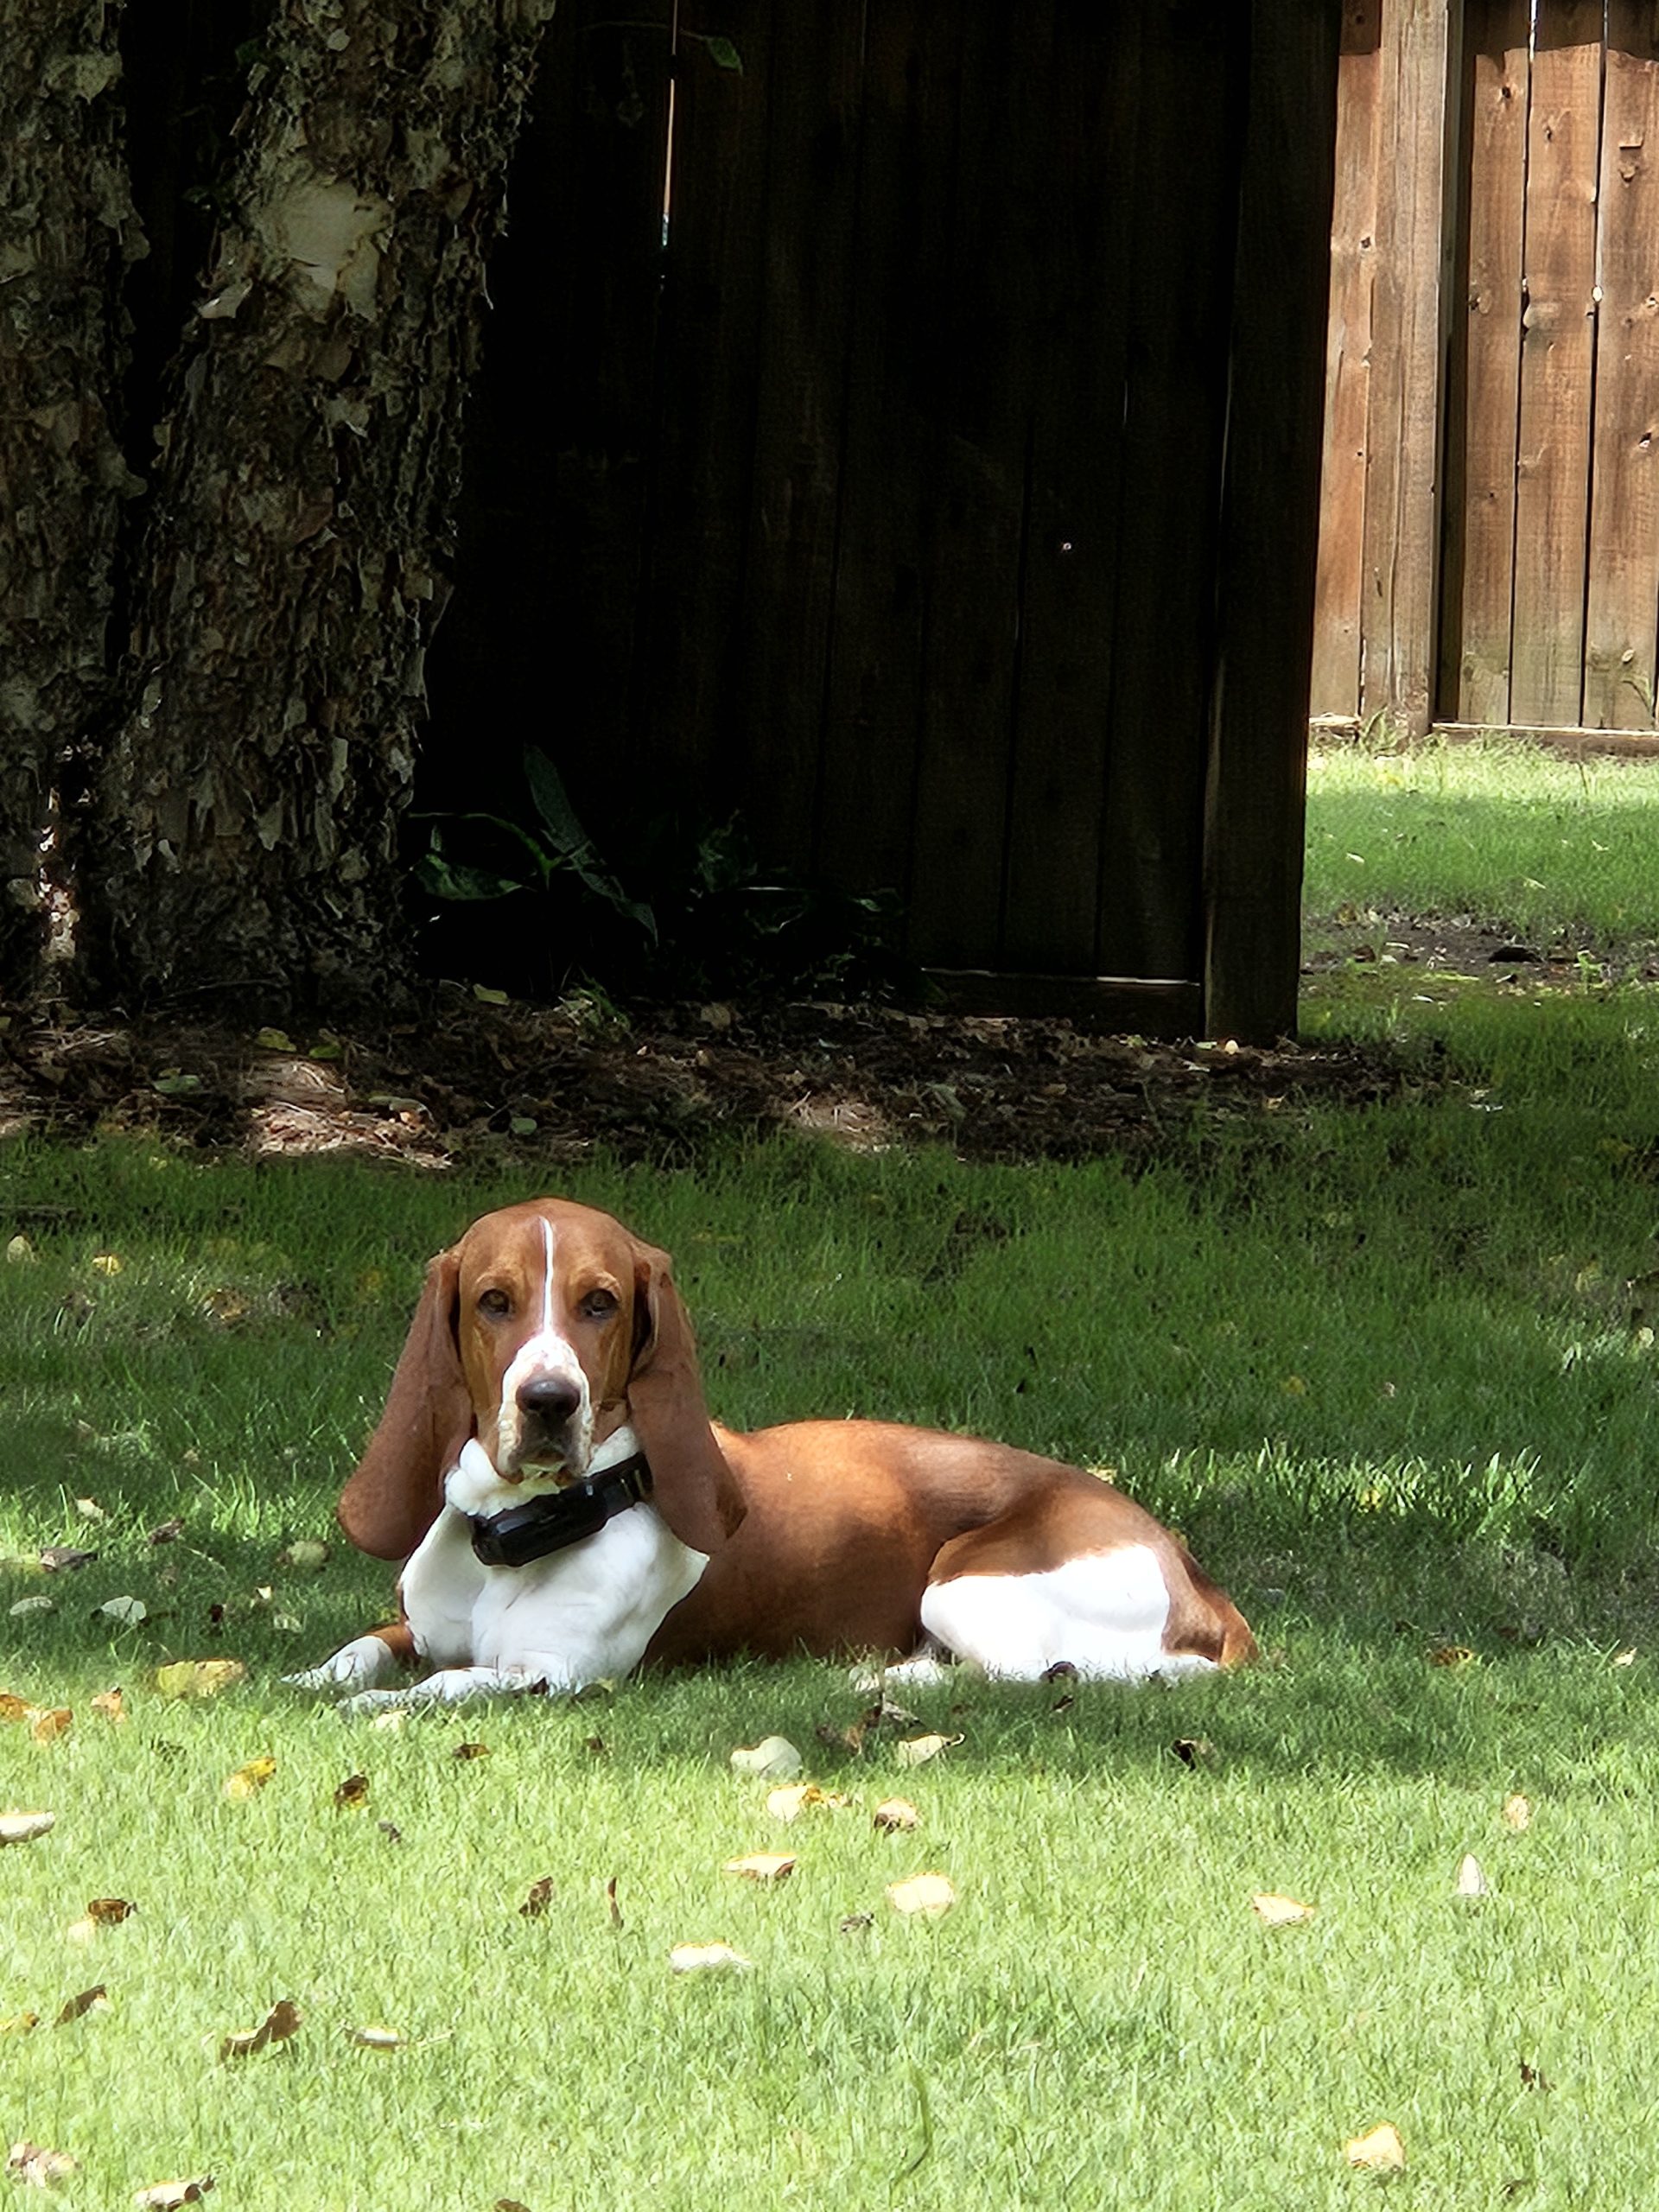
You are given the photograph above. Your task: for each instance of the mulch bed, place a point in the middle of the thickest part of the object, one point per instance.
(469, 1080)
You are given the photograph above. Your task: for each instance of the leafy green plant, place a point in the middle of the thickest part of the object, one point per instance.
(696, 913)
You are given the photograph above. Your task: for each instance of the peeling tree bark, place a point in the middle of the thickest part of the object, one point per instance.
(67, 225)
(247, 806)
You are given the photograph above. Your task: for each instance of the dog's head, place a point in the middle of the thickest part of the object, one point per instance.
(544, 1330)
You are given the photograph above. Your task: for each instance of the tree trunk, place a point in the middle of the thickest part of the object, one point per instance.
(246, 811)
(67, 226)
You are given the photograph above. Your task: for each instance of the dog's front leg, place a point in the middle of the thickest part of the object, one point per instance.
(361, 1663)
(452, 1684)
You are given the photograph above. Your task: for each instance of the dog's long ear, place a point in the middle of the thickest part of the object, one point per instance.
(694, 1491)
(396, 1493)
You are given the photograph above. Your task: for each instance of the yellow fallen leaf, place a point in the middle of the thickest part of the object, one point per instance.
(19, 1251)
(701, 1958)
(23, 1828)
(897, 1814)
(306, 1553)
(32, 2162)
(199, 1677)
(13, 1708)
(90, 1510)
(1380, 2152)
(916, 1751)
(168, 2196)
(1517, 1813)
(351, 1793)
(47, 1723)
(1626, 1658)
(470, 1752)
(19, 2024)
(251, 1779)
(1472, 1883)
(377, 2038)
(1450, 1655)
(111, 1704)
(773, 1757)
(929, 1894)
(282, 2021)
(107, 1263)
(763, 1866)
(1281, 1912)
(797, 1797)
(84, 1930)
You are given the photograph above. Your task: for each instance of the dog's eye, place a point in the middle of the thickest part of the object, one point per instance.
(495, 1303)
(599, 1305)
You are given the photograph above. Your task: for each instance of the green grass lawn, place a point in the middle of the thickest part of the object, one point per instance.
(1393, 1372)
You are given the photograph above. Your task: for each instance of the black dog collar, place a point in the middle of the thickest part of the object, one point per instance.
(564, 1517)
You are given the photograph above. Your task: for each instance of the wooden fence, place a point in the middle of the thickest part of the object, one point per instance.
(941, 499)
(1490, 528)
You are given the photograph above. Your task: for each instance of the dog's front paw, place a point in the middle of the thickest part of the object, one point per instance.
(357, 1665)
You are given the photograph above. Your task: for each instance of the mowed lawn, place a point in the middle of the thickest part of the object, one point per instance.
(1392, 1372)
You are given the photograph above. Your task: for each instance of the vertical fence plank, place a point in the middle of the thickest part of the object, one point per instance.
(1185, 192)
(706, 385)
(788, 582)
(872, 707)
(1270, 523)
(1486, 369)
(1402, 528)
(556, 464)
(1623, 599)
(1348, 366)
(1557, 365)
(1080, 176)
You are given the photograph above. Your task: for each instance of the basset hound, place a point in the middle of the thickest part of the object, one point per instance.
(547, 1467)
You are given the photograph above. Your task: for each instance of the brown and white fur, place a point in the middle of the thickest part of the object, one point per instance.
(551, 1344)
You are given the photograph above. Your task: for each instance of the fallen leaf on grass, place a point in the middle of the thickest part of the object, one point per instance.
(279, 2024)
(130, 1612)
(701, 1958)
(110, 1912)
(47, 1723)
(1380, 2152)
(19, 2024)
(1517, 1813)
(610, 1900)
(795, 1798)
(916, 1751)
(377, 2038)
(763, 1866)
(1534, 2077)
(23, 1828)
(1450, 1655)
(13, 1708)
(32, 2162)
(1192, 1750)
(1622, 1659)
(199, 1677)
(352, 1793)
(64, 1558)
(508, 2204)
(248, 1780)
(305, 1553)
(855, 1923)
(540, 1897)
(470, 1752)
(896, 1815)
(773, 1756)
(95, 2000)
(1281, 1912)
(168, 2195)
(90, 1510)
(111, 1704)
(167, 1532)
(1472, 1883)
(928, 1894)
(31, 1606)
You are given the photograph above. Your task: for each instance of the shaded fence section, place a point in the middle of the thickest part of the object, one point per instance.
(1490, 546)
(866, 432)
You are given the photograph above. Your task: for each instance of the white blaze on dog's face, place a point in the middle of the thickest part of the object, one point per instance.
(546, 1328)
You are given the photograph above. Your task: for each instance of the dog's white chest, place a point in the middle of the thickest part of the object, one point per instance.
(574, 1617)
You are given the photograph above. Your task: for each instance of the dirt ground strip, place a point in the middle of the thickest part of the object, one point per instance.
(475, 1080)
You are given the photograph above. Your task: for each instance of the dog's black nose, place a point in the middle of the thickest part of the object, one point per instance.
(549, 1397)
